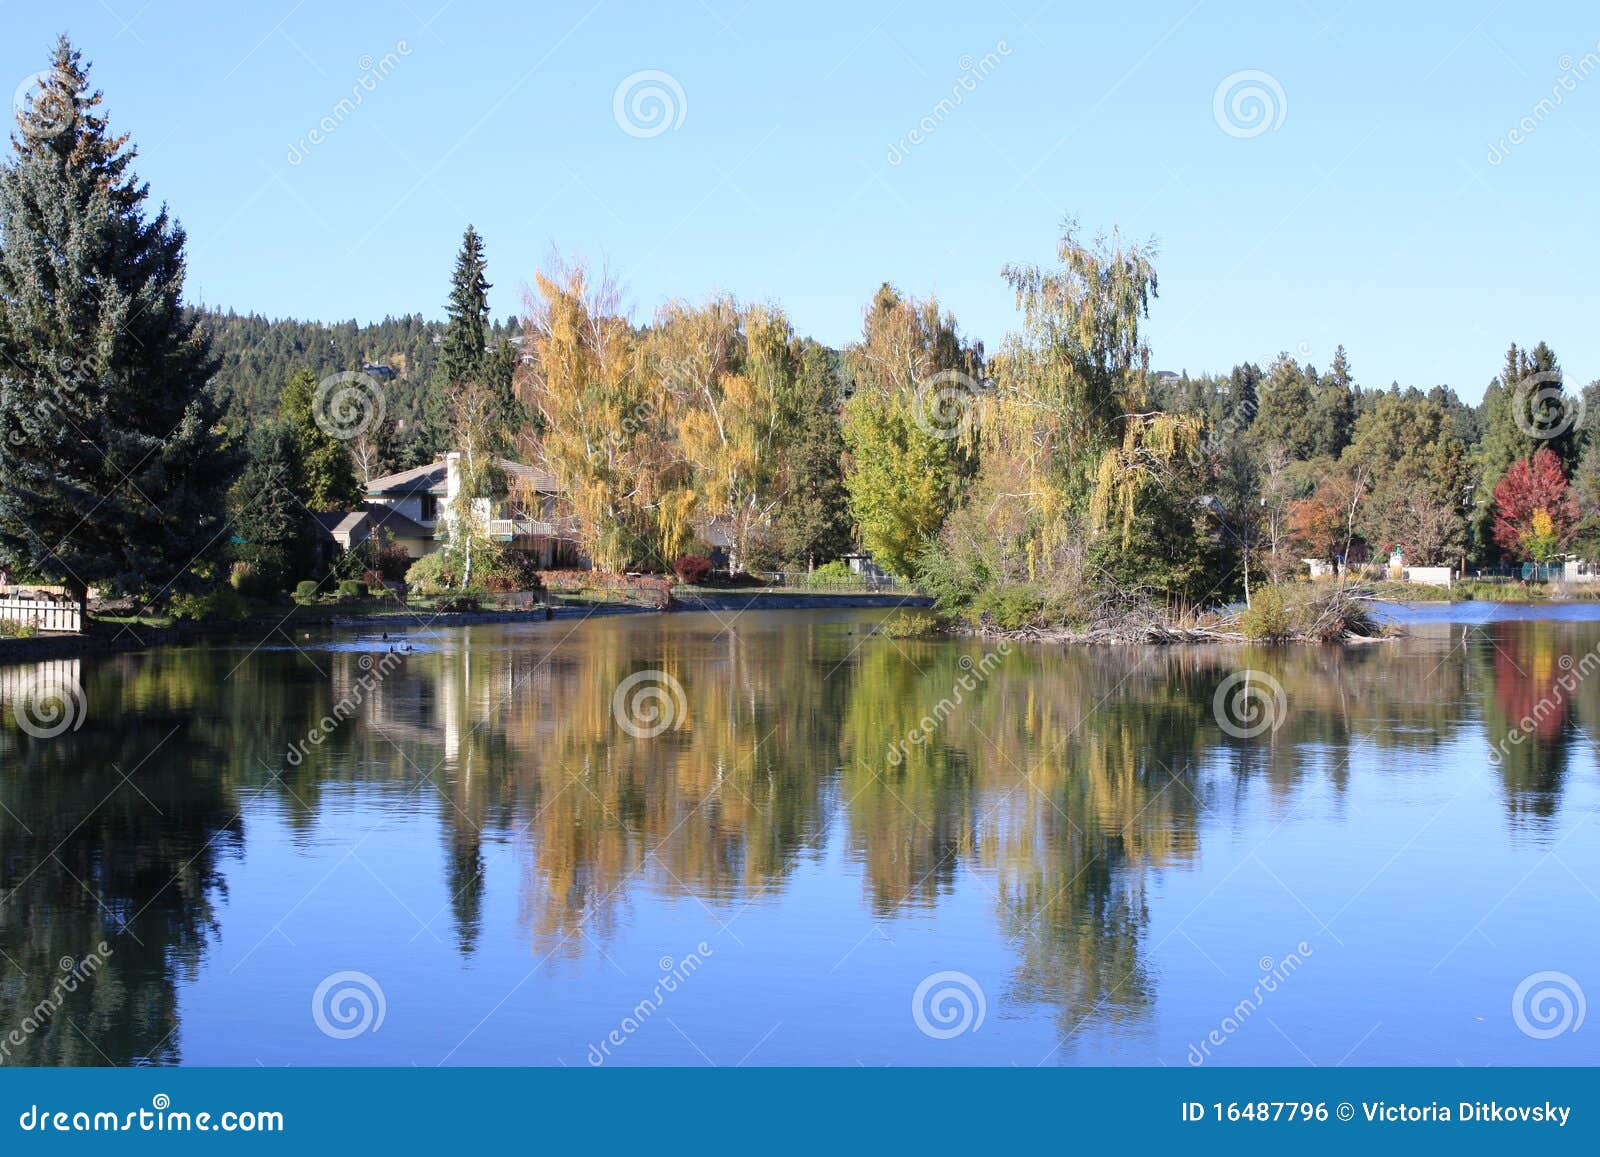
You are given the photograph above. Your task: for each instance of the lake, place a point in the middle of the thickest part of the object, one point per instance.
(780, 838)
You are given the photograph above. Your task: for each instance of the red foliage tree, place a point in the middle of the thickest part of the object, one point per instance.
(1531, 487)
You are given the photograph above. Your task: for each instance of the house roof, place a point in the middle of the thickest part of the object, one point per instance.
(434, 477)
(354, 525)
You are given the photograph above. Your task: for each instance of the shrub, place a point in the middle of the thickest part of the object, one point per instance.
(834, 574)
(1267, 617)
(470, 599)
(14, 630)
(219, 604)
(352, 589)
(691, 568)
(307, 591)
(255, 580)
(431, 573)
(1010, 608)
(910, 625)
(387, 557)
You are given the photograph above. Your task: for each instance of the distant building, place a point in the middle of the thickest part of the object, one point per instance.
(524, 517)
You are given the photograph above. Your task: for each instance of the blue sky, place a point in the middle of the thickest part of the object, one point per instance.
(1381, 203)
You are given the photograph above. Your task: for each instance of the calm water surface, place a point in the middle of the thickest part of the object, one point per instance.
(834, 818)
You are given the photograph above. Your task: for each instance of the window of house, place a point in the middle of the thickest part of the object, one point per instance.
(430, 508)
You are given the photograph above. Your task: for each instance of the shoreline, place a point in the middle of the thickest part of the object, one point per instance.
(129, 639)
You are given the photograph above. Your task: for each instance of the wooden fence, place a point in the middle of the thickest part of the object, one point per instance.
(45, 613)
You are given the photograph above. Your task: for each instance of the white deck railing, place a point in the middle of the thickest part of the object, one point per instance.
(42, 613)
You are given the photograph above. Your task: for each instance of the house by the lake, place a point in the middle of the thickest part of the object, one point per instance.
(416, 508)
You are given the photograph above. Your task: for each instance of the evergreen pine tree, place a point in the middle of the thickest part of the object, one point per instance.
(269, 517)
(325, 473)
(111, 473)
(465, 353)
(814, 516)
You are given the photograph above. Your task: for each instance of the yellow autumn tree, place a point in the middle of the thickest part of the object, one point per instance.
(597, 421)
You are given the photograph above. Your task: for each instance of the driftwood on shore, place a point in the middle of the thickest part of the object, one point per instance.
(1336, 616)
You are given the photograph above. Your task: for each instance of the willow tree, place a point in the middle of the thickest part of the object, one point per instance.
(1064, 388)
(908, 425)
(1155, 527)
(596, 416)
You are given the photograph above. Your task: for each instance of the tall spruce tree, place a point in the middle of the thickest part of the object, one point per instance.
(465, 354)
(270, 518)
(111, 473)
(813, 523)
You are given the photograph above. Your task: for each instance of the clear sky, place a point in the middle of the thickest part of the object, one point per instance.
(1373, 196)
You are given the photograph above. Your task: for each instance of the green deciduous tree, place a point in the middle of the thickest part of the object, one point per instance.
(907, 424)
